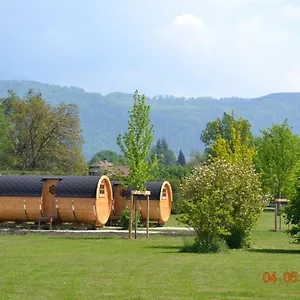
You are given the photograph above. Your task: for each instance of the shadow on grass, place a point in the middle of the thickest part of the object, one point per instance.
(80, 237)
(276, 251)
(165, 247)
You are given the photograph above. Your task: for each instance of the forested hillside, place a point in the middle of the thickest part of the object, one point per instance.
(179, 120)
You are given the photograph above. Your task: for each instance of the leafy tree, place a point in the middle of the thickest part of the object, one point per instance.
(136, 143)
(222, 127)
(5, 143)
(292, 213)
(44, 138)
(277, 154)
(176, 172)
(164, 154)
(236, 147)
(108, 155)
(238, 151)
(229, 181)
(181, 159)
(221, 199)
(197, 158)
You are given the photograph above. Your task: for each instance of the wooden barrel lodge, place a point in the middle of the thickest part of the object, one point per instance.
(71, 199)
(21, 198)
(83, 199)
(159, 206)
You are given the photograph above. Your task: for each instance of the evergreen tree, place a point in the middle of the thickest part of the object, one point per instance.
(181, 159)
(164, 154)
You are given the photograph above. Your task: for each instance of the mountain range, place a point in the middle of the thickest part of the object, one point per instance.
(178, 119)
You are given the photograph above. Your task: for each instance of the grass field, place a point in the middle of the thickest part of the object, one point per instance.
(53, 267)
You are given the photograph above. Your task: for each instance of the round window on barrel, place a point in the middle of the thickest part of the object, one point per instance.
(52, 189)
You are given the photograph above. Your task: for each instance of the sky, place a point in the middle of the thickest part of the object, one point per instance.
(191, 48)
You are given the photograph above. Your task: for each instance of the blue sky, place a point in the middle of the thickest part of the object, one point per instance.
(218, 48)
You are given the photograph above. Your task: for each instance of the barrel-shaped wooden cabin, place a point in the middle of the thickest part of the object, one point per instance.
(160, 203)
(83, 199)
(21, 198)
(71, 199)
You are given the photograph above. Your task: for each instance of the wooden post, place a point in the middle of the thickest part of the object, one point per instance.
(130, 217)
(275, 216)
(135, 216)
(147, 235)
(145, 193)
(279, 206)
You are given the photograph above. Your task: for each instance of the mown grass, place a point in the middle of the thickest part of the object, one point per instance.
(54, 267)
(173, 222)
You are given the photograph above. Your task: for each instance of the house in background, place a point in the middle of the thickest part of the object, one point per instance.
(105, 167)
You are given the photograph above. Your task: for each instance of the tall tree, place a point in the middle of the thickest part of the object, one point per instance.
(277, 154)
(136, 143)
(44, 138)
(164, 154)
(181, 159)
(237, 151)
(222, 127)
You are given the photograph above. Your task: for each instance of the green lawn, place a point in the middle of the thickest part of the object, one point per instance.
(53, 267)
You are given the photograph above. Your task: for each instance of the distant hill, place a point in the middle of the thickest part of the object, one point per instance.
(179, 120)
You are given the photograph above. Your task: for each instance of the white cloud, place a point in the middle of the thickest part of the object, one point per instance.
(188, 34)
(189, 21)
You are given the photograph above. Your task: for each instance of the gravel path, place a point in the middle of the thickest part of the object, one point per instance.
(167, 231)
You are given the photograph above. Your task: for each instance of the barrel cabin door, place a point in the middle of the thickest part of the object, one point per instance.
(49, 202)
(164, 204)
(120, 202)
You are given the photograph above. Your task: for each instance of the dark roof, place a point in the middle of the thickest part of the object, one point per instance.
(153, 186)
(21, 185)
(77, 187)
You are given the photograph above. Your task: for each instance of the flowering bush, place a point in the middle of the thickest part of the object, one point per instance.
(222, 200)
(292, 214)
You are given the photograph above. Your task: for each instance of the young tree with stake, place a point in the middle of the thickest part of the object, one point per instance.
(135, 145)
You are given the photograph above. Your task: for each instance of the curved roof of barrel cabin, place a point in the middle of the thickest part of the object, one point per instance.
(21, 185)
(78, 187)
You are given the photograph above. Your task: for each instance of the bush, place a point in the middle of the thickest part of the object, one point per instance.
(125, 220)
(221, 200)
(292, 215)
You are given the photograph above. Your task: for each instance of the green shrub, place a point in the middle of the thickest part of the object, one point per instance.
(124, 222)
(221, 201)
(292, 215)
